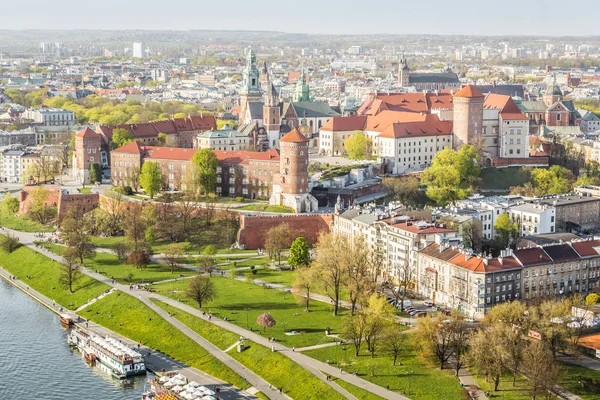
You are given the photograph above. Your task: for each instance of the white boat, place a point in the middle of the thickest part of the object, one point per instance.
(121, 360)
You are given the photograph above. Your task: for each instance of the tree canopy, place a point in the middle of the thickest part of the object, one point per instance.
(554, 180)
(205, 170)
(299, 253)
(452, 175)
(151, 178)
(121, 137)
(359, 146)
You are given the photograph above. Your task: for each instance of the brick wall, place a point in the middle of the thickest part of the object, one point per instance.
(509, 162)
(57, 199)
(253, 228)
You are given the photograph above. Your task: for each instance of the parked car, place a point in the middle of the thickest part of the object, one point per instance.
(469, 320)
(428, 304)
(421, 314)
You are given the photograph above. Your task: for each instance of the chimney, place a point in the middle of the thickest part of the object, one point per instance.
(500, 259)
(485, 261)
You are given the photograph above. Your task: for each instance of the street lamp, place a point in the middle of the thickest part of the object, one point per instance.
(246, 316)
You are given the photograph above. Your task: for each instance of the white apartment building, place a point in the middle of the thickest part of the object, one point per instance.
(11, 166)
(533, 218)
(138, 50)
(224, 139)
(51, 116)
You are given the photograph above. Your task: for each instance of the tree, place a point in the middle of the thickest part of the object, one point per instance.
(460, 335)
(113, 203)
(355, 261)
(353, 328)
(304, 281)
(405, 189)
(135, 226)
(151, 178)
(472, 235)
(394, 341)
(201, 289)
(359, 146)
(379, 314)
(10, 204)
(452, 174)
(539, 366)
(299, 253)
(506, 230)
(173, 255)
(162, 138)
(121, 137)
(139, 258)
(265, 320)
(9, 243)
(551, 319)
(487, 355)
(434, 336)
(39, 211)
(329, 265)
(74, 233)
(95, 174)
(277, 240)
(70, 270)
(205, 165)
(406, 278)
(554, 180)
(121, 250)
(206, 264)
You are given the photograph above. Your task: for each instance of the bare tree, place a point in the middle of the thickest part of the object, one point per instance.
(75, 233)
(305, 280)
(394, 341)
(406, 276)
(355, 261)
(460, 334)
(329, 265)
(206, 264)
(277, 240)
(201, 289)
(173, 255)
(434, 337)
(70, 270)
(121, 250)
(486, 355)
(539, 366)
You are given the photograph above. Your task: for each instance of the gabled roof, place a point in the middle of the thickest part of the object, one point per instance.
(561, 252)
(507, 90)
(532, 256)
(168, 153)
(338, 124)
(587, 248)
(503, 103)
(312, 109)
(244, 157)
(469, 91)
(133, 147)
(409, 102)
(432, 126)
(294, 136)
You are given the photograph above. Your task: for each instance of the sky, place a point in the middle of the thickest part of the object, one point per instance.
(469, 17)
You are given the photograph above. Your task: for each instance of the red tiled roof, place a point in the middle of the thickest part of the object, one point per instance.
(501, 102)
(536, 153)
(169, 126)
(168, 153)
(86, 133)
(432, 126)
(586, 248)
(514, 117)
(244, 157)
(532, 256)
(294, 137)
(408, 102)
(133, 147)
(469, 91)
(337, 124)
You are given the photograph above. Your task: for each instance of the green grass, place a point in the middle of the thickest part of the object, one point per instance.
(85, 190)
(266, 208)
(275, 368)
(410, 377)
(131, 318)
(236, 251)
(234, 297)
(500, 178)
(506, 390)
(359, 393)
(22, 223)
(44, 276)
(584, 382)
(110, 266)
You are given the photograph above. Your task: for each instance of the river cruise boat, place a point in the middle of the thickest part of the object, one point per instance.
(122, 360)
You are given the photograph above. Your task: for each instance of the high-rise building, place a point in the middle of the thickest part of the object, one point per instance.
(138, 50)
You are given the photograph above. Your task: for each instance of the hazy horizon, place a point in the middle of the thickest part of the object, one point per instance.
(461, 17)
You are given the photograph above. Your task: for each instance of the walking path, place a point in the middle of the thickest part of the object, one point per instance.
(95, 299)
(585, 362)
(469, 383)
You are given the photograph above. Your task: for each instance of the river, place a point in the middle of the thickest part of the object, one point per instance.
(36, 362)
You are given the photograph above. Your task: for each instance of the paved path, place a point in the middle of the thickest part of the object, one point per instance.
(154, 361)
(317, 346)
(582, 361)
(469, 383)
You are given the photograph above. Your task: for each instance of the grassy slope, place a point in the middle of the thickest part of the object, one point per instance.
(266, 208)
(506, 390)
(109, 265)
(584, 382)
(275, 368)
(501, 178)
(44, 274)
(409, 377)
(235, 296)
(21, 223)
(131, 318)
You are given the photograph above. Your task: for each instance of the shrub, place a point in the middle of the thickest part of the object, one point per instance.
(239, 199)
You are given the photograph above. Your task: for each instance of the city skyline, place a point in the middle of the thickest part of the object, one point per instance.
(465, 17)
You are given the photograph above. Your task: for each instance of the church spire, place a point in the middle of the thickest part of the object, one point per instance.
(302, 88)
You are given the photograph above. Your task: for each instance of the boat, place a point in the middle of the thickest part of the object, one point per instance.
(66, 320)
(120, 359)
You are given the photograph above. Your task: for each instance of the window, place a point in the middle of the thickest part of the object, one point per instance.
(558, 117)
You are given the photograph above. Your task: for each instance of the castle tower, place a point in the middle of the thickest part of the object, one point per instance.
(302, 88)
(250, 91)
(88, 147)
(271, 114)
(468, 117)
(290, 186)
(403, 72)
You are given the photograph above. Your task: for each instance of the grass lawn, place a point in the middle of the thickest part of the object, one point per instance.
(506, 390)
(265, 208)
(584, 382)
(275, 368)
(131, 318)
(23, 224)
(85, 190)
(236, 251)
(110, 266)
(410, 377)
(359, 393)
(500, 178)
(44, 274)
(234, 297)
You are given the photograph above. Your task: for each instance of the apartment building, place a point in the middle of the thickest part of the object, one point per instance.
(574, 211)
(533, 218)
(223, 139)
(51, 116)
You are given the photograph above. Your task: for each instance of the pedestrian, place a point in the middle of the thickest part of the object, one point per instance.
(341, 371)
(293, 349)
(270, 386)
(281, 390)
(210, 317)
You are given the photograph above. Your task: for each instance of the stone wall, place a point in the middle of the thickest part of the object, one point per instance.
(254, 228)
(511, 162)
(57, 199)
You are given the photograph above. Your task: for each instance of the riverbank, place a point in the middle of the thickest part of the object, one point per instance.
(155, 361)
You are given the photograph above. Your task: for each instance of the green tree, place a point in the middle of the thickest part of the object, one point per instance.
(205, 164)
(75, 233)
(277, 240)
(299, 253)
(201, 289)
(162, 138)
(305, 280)
(39, 211)
(151, 178)
(404, 189)
(10, 204)
(359, 146)
(95, 174)
(506, 230)
(121, 137)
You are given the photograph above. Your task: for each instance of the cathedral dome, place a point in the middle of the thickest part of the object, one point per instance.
(305, 130)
